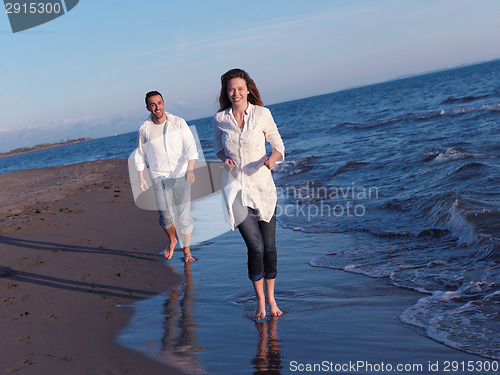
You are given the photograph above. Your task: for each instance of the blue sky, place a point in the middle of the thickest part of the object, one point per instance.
(86, 73)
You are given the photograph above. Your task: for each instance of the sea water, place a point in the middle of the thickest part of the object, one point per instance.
(411, 167)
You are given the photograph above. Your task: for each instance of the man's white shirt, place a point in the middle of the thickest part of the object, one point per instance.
(165, 148)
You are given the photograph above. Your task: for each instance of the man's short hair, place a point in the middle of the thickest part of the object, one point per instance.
(150, 94)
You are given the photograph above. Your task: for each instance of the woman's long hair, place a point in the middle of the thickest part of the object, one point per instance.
(253, 92)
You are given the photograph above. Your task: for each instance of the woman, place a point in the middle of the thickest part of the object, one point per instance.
(241, 127)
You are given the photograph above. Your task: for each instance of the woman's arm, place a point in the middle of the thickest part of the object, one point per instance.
(271, 160)
(274, 138)
(229, 164)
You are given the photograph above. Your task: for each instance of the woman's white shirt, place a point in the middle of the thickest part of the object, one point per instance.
(247, 148)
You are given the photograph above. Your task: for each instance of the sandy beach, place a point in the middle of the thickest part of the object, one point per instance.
(84, 290)
(74, 249)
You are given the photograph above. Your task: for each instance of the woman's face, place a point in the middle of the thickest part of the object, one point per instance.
(237, 92)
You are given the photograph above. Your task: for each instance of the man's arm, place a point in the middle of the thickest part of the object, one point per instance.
(189, 151)
(140, 162)
(143, 184)
(190, 172)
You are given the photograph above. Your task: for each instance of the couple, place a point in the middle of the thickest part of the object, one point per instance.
(241, 127)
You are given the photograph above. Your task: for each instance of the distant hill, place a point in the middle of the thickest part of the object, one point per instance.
(22, 150)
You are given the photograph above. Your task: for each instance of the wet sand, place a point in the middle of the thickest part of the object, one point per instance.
(332, 317)
(74, 248)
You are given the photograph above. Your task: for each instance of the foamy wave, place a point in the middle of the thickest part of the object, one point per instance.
(491, 107)
(462, 287)
(452, 154)
(470, 327)
(472, 223)
(453, 217)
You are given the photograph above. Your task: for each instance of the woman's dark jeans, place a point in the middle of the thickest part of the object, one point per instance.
(259, 237)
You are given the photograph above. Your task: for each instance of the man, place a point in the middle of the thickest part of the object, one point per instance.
(167, 147)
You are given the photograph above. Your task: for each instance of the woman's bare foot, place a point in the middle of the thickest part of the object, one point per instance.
(169, 251)
(260, 312)
(273, 308)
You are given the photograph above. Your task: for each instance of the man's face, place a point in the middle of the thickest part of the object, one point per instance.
(156, 106)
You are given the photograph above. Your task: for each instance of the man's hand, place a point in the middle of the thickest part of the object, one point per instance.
(190, 177)
(144, 184)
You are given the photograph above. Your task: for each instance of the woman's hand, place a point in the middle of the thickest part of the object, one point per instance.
(229, 164)
(270, 163)
(271, 160)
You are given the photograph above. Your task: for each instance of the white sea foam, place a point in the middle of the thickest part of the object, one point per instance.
(471, 327)
(452, 154)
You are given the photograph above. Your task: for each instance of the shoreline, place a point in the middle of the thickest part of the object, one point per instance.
(75, 252)
(330, 315)
(81, 263)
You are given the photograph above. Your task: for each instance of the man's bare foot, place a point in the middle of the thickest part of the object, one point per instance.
(169, 251)
(260, 312)
(188, 258)
(274, 309)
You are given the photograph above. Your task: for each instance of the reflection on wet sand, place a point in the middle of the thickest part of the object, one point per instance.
(180, 337)
(268, 358)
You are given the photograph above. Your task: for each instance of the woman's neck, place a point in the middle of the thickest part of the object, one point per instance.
(240, 110)
(239, 114)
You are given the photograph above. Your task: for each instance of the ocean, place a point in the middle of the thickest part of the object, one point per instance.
(410, 167)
